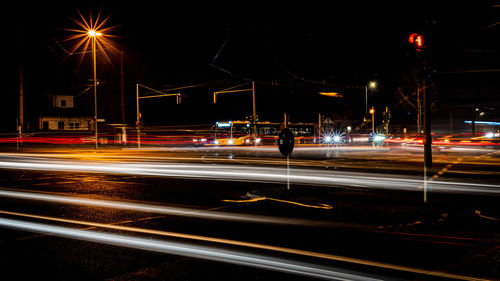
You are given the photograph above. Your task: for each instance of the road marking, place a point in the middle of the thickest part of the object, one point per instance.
(478, 213)
(256, 246)
(445, 169)
(320, 206)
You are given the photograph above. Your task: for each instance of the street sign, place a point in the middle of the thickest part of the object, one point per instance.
(286, 141)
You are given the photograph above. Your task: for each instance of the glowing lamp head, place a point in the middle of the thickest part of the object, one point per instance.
(93, 33)
(372, 110)
(373, 84)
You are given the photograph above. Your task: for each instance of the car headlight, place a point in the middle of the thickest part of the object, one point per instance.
(230, 142)
(258, 140)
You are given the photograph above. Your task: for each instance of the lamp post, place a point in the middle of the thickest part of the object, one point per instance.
(372, 85)
(93, 34)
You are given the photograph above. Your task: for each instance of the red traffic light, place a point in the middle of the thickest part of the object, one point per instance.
(417, 40)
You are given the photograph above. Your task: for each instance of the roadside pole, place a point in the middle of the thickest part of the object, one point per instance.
(138, 115)
(427, 141)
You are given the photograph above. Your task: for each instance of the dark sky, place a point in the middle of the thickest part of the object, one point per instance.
(299, 48)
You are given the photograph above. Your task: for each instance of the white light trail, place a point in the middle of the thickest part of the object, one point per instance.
(195, 251)
(247, 173)
(253, 245)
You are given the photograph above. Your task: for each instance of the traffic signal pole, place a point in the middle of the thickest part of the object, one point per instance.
(138, 113)
(252, 90)
(417, 41)
(427, 141)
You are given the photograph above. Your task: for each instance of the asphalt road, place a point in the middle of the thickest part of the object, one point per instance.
(226, 214)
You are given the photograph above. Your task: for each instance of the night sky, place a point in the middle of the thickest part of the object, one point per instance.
(291, 51)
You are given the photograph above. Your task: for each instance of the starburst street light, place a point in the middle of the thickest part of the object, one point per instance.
(92, 32)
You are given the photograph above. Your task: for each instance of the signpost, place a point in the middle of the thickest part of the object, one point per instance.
(285, 145)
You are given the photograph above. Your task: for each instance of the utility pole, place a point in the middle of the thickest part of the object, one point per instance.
(428, 139)
(319, 127)
(419, 112)
(21, 101)
(254, 113)
(138, 116)
(386, 121)
(122, 90)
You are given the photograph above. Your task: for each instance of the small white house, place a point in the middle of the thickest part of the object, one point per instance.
(63, 101)
(74, 123)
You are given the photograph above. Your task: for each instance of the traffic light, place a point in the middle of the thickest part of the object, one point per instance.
(417, 41)
(387, 115)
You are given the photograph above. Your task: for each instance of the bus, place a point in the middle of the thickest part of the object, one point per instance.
(241, 133)
(303, 132)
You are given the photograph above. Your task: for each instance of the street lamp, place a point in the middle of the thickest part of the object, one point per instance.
(92, 33)
(372, 85)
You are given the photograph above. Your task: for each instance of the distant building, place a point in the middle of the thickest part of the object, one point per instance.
(64, 112)
(73, 123)
(63, 101)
